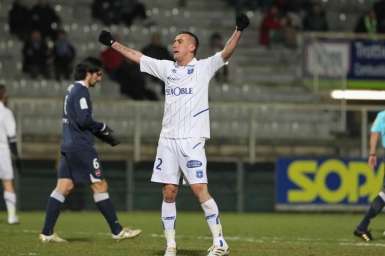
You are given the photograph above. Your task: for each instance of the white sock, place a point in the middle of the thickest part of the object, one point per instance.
(212, 217)
(168, 220)
(10, 202)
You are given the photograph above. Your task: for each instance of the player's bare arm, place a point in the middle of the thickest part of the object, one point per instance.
(231, 44)
(127, 52)
(372, 160)
(107, 39)
(242, 22)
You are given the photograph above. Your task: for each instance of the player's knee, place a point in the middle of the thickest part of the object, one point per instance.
(64, 187)
(201, 192)
(169, 193)
(100, 187)
(8, 186)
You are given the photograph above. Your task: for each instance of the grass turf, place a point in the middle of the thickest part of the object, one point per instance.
(247, 234)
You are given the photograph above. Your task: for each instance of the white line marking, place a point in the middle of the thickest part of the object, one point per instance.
(264, 239)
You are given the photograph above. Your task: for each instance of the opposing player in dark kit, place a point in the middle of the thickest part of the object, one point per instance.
(79, 161)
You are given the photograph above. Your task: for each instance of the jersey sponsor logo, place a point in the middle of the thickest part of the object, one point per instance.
(83, 103)
(190, 71)
(199, 174)
(178, 91)
(194, 164)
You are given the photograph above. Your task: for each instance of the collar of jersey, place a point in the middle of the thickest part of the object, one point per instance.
(190, 64)
(81, 82)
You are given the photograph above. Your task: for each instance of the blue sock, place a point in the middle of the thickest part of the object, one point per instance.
(52, 212)
(106, 207)
(375, 208)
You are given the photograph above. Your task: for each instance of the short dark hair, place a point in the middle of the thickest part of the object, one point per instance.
(3, 90)
(88, 65)
(195, 39)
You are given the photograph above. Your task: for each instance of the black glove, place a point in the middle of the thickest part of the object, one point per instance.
(13, 148)
(242, 22)
(18, 165)
(106, 38)
(106, 135)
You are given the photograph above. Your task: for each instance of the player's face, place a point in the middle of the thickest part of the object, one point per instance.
(183, 46)
(95, 78)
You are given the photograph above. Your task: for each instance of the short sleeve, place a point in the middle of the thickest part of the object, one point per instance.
(378, 125)
(213, 63)
(154, 67)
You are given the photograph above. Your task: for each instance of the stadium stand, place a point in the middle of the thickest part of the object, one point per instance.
(243, 112)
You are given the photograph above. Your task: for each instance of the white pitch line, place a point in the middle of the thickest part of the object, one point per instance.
(370, 244)
(264, 239)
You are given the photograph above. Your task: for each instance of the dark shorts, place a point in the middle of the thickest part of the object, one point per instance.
(80, 167)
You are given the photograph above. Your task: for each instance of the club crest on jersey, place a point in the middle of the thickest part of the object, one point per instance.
(173, 70)
(194, 164)
(190, 71)
(199, 174)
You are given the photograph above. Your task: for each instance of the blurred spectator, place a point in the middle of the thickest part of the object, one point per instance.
(182, 3)
(367, 23)
(289, 31)
(270, 27)
(315, 19)
(156, 49)
(35, 56)
(131, 10)
(119, 11)
(242, 5)
(45, 19)
(216, 44)
(132, 82)
(127, 74)
(64, 54)
(379, 9)
(112, 60)
(106, 11)
(292, 5)
(19, 20)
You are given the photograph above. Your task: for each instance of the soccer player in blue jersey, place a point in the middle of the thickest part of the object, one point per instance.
(79, 161)
(377, 132)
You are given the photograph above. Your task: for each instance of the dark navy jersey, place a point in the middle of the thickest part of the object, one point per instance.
(78, 125)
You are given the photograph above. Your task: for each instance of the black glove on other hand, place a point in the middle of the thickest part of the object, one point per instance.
(242, 22)
(106, 38)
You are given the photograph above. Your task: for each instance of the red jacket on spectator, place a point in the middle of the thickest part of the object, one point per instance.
(111, 59)
(270, 22)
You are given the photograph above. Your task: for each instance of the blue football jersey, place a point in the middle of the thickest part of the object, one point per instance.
(78, 125)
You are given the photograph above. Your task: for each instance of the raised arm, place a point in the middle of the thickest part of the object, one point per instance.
(242, 22)
(107, 39)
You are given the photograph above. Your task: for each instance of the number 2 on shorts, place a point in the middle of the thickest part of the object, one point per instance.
(159, 164)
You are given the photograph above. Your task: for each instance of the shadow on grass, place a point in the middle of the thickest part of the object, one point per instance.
(378, 234)
(79, 239)
(182, 252)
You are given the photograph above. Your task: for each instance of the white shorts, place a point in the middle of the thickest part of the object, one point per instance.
(6, 170)
(176, 156)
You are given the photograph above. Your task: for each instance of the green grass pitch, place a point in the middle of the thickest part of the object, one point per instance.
(248, 234)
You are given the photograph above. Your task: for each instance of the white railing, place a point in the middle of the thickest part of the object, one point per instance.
(246, 124)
